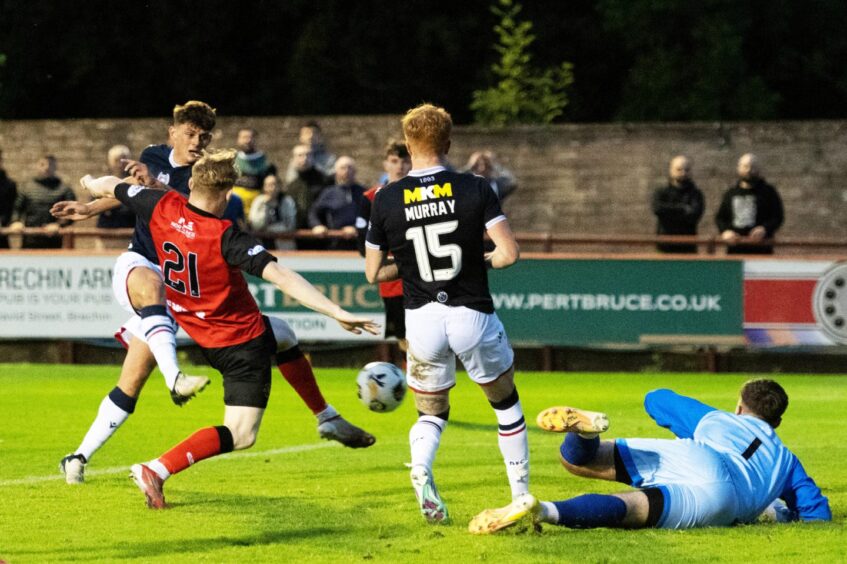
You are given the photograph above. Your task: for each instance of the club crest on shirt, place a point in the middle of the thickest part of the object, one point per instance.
(255, 250)
(163, 177)
(134, 190)
(184, 227)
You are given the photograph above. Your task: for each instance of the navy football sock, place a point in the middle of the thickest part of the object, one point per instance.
(578, 450)
(591, 510)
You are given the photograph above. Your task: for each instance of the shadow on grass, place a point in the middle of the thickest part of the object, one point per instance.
(492, 428)
(190, 524)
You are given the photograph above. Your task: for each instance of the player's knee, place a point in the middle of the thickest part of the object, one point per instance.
(145, 288)
(654, 397)
(432, 404)
(283, 334)
(243, 439)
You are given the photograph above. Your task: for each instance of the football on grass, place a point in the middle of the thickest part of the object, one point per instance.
(382, 386)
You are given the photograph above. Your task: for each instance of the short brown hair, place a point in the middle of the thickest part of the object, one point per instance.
(196, 113)
(766, 399)
(215, 171)
(428, 127)
(396, 148)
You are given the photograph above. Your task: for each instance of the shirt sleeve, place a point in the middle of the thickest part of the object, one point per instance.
(804, 497)
(492, 213)
(243, 251)
(139, 199)
(673, 411)
(375, 238)
(362, 220)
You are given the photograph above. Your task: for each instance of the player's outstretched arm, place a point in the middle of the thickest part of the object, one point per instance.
(294, 285)
(803, 497)
(77, 211)
(103, 187)
(676, 412)
(506, 251)
(379, 267)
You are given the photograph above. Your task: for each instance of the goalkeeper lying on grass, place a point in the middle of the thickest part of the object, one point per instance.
(724, 468)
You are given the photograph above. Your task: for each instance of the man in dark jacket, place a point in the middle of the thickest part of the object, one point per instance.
(751, 208)
(678, 206)
(338, 206)
(8, 192)
(33, 203)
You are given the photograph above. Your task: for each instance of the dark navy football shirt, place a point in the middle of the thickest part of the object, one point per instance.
(160, 163)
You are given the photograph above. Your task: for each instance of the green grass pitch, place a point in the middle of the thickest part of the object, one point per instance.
(295, 498)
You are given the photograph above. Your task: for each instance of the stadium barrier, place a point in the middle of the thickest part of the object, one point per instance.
(545, 242)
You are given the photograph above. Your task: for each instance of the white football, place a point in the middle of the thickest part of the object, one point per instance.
(382, 386)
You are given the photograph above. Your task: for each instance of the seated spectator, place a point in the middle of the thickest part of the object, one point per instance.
(33, 203)
(311, 135)
(307, 185)
(484, 164)
(338, 205)
(274, 211)
(678, 206)
(253, 165)
(8, 193)
(235, 211)
(750, 208)
(246, 189)
(122, 216)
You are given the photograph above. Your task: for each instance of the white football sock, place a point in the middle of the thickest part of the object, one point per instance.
(549, 512)
(424, 438)
(109, 419)
(158, 468)
(514, 446)
(159, 332)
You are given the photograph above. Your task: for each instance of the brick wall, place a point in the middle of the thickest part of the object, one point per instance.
(578, 179)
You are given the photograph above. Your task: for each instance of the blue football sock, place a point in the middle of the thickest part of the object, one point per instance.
(579, 450)
(591, 510)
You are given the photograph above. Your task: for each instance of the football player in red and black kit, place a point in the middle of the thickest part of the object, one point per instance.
(139, 287)
(202, 257)
(433, 222)
(397, 164)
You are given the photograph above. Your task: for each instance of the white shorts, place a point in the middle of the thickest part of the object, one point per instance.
(126, 263)
(283, 333)
(697, 487)
(438, 333)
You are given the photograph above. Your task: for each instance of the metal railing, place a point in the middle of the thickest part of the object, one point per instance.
(543, 242)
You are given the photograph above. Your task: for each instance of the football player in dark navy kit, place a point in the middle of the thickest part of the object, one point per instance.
(150, 335)
(138, 286)
(433, 222)
(202, 257)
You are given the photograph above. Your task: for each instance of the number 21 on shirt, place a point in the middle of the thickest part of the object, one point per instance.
(174, 266)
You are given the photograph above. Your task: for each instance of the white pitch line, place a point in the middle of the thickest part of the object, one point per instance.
(120, 469)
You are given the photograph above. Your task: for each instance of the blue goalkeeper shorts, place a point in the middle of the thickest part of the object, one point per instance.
(697, 488)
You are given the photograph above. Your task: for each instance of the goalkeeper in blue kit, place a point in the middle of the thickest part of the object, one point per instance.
(723, 468)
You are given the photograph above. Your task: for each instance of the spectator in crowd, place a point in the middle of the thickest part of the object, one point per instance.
(33, 203)
(484, 164)
(274, 211)
(235, 211)
(305, 189)
(312, 136)
(338, 205)
(678, 206)
(750, 208)
(253, 165)
(122, 216)
(8, 193)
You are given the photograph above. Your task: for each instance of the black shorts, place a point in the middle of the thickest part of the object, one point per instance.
(395, 317)
(246, 369)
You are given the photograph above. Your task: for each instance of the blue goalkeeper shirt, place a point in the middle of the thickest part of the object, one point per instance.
(762, 468)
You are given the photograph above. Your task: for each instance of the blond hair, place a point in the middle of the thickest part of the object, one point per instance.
(215, 171)
(196, 113)
(427, 127)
